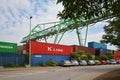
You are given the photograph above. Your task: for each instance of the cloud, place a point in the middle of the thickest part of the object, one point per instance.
(15, 22)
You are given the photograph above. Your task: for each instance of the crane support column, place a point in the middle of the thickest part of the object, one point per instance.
(79, 37)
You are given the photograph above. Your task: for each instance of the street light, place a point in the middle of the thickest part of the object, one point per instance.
(30, 44)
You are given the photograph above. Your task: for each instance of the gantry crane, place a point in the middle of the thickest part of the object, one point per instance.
(46, 30)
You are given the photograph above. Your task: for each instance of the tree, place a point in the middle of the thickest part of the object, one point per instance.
(74, 9)
(112, 33)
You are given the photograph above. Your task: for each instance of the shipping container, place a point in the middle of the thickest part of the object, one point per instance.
(48, 48)
(116, 55)
(9, 59)
(101, 51)
(96, 45)
(8, 47)
(38, 59)
(86, 50)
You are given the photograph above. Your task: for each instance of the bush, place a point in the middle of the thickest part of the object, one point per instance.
(90, 57)
(41, 62)
(84, 57)
(51, 63)
(76, 55)
(104, 57)
(97, 58)
(11, 64)
(109, 55)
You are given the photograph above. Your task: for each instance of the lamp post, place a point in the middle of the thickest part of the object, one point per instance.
(30, 44)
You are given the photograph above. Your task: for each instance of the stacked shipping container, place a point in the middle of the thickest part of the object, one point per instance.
(96, 45)
(43, 52)
(116, 55)
(101, 51)
(51, 49)
(8, 47)
(38, 59)
(86, 50)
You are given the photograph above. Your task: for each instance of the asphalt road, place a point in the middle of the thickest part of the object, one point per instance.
(57, 73)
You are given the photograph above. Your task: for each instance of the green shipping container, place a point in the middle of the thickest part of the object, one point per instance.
(6, 47)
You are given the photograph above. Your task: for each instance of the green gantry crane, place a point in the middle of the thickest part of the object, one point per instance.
(40, 32)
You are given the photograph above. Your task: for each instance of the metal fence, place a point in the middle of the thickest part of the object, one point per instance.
(12, 59)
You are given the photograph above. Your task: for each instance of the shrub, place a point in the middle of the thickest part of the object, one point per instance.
(109, 55)
(90, 57)
(51, 63)
(104, 57)
(97, 58)
(84, 57)
(76, 55)
(11, 64)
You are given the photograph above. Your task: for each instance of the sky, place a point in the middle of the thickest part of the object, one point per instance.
(15, 14)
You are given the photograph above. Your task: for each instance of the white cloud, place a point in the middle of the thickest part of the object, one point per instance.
(14, 22)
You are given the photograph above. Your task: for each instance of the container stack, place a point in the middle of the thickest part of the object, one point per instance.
(96, 45)
(9, 56)
(101, 49)
(116, 55)
(6, 47)
(86, 50)
(45, 51)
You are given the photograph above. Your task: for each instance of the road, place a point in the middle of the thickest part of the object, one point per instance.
(57, 73)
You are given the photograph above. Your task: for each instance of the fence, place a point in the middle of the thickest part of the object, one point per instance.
(12, 59)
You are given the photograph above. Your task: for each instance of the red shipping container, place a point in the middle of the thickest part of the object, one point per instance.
(86, 50)
(116, 55)
(48, 48)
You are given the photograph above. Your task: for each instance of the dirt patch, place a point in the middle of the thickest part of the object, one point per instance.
(113, 75)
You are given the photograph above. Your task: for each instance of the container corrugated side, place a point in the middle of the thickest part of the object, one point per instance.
(116, 55)
(48, 48)
(96, 45)
(100, 51)
(39, 59)
(15, 59)
(8, 47)
(86, 50)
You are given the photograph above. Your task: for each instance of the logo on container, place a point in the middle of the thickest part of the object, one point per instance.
(54, 49)
(8, 47)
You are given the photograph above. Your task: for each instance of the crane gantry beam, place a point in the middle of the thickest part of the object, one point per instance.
(55, 28)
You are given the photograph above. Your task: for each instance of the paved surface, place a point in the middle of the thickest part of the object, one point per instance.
(56, 73)
(112, 75)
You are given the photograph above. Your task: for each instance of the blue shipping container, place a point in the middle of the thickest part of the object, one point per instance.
(96, 45)
(101, 51)
(9, 59)
(38, 59)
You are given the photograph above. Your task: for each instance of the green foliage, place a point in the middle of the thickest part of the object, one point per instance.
(76, 55)
(74, 9)
(112, 33)
(104, 57)
(42, 63)
(87, 9)
(80, 52)
(98, 58)
(84, 57)
(109, 55)
(51, 63)
(11, 64)
(89, 56)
